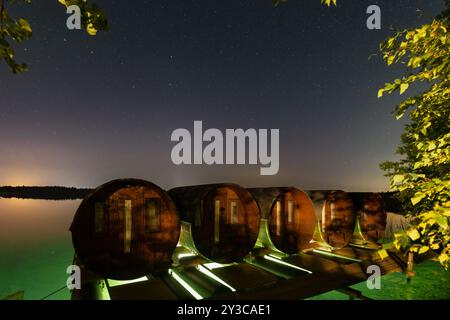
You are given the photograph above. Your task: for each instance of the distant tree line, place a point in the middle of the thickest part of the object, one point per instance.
(65, 193)
(45, 193)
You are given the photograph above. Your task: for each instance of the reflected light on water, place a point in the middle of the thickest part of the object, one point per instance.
(35, 246)
(23, 220)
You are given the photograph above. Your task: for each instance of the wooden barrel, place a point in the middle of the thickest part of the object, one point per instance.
(126, 229)
(219, 221)
(373, 217)
(338, 219)
(287, 218)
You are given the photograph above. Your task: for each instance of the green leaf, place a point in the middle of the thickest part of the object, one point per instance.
(442, 221)
(329, 2)
(90, 29)
(431, 146)
(413, 234)
(382, 254)
(434, 246)
(398, 178)
(423, 249)
(417, 198)
(24, 25)
(415, 62)
(443, 258)
(403, 87)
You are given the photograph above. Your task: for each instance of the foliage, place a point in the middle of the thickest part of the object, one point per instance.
(92, 17)
(329, 2)
(278, 2)
(12, 30)
(422, 176)
(18, 30)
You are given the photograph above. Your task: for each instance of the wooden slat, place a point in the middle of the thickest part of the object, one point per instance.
(254, 283)
(154, 289)
(245, 277)
(299, 289)
(312, 263)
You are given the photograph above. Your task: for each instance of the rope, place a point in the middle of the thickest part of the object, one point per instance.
(54, 292)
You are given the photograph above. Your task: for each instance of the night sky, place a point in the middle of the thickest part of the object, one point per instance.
(97, 108)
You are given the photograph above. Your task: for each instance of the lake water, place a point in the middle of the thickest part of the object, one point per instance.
(36, 249)
(35, 246)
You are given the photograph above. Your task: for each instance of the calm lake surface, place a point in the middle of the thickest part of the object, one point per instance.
(36, 249)
(35, 246)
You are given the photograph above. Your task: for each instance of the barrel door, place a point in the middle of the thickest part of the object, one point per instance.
(292, 222)
(338, 219)
(126, 229)
(287, 218)
(220, 222)
(224, 225)
(373, 217)
(226, 213)
(283, 217)
(133, 211)
(217, 208)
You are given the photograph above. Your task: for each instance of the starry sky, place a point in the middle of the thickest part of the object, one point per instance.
(97, 108)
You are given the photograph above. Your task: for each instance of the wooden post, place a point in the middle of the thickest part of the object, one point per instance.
(410, 267)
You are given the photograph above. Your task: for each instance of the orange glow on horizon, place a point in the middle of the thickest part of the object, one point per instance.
(17, 178)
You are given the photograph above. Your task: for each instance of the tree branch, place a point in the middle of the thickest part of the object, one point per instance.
(2, 9)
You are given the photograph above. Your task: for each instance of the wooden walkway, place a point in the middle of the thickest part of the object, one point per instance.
(261, 276)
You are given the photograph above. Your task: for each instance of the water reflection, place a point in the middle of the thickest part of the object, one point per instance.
(35, 246)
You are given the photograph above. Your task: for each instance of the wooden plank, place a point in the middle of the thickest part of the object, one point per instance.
(276, 269)
(369, 257)
(244, 277)
(154, 289)
(175, 287)
(294, 289)
(254, 283)
(205, 285)
(312, 262)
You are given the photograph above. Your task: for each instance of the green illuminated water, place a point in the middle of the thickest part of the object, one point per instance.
(36, 249)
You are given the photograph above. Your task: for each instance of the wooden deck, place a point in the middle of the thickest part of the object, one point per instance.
(293, 277)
